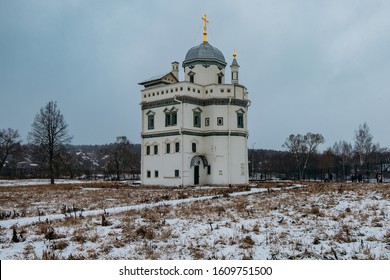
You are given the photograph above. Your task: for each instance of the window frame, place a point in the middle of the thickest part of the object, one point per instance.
(155, 149)
(191, 76)
(220, 78)
(197, 119)
(193, 147)
(150, 121)
(168, 148)
(148, 150)
(240, 120)
(170, 118)
(177, 147)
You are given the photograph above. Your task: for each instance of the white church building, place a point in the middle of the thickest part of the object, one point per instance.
(195, 132)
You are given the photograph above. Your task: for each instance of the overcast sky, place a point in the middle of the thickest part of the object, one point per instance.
(309, 66)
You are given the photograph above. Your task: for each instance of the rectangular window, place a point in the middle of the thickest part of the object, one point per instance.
(177, 174)
(194, 147)
(167, 119)
(191, 78)
(168, 148)
(155, 149)
(147, 150)
(174, 118)
(171, 118)
(197, 120)
(156, 173)
(207, 121)
(177, 147)
(150, 121)
(208, 169)
(240, 120)
(219, 121)
(148, 174)
(219, 79)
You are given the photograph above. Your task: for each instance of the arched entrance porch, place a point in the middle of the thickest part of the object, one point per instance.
(196, 161)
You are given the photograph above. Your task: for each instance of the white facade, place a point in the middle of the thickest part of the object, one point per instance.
(194, 132)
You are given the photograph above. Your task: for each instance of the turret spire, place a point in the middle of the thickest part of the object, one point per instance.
(234, 67)
(204, 18)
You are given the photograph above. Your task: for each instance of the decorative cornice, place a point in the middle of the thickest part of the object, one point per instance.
(160, 134)
(195, 133)
(204, 62)
(194, 101)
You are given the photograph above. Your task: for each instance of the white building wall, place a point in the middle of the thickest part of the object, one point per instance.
(194, 90)
(219, 150)
(204, 75)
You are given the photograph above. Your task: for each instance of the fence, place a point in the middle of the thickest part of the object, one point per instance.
(369, 172)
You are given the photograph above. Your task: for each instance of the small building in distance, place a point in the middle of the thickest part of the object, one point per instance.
(121, 140)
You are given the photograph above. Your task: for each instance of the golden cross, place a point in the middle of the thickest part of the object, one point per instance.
(204, 18)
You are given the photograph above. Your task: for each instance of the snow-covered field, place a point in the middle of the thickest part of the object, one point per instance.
(118, 221)
(33, 182)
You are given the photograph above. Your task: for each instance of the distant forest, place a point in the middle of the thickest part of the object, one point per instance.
(120, 162)
(113, 161)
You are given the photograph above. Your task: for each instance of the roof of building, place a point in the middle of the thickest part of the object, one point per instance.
(159, 79)
(234, 62)
(204, 53)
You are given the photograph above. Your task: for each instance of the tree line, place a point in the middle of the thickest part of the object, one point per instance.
(360, 160)
(49, 153)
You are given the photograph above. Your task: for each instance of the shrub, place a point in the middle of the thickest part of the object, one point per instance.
(145, 232)
(247, 242)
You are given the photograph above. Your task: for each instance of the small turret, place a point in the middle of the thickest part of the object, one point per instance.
(175, 69)
(234, 69)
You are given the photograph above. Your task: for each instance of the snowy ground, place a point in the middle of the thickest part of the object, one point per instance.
(33, 182)
(312, 221)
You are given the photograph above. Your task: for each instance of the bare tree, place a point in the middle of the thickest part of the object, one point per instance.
(67, 161)
(363, 143)
(9, 144)
(120, 158)
(301, 147)
(327, 160)
(49, 133)
(343, 150)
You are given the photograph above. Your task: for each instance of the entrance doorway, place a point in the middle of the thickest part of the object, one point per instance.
(196, 174)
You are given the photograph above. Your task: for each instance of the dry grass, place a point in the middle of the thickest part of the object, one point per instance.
(68, 199)
(318, 221)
